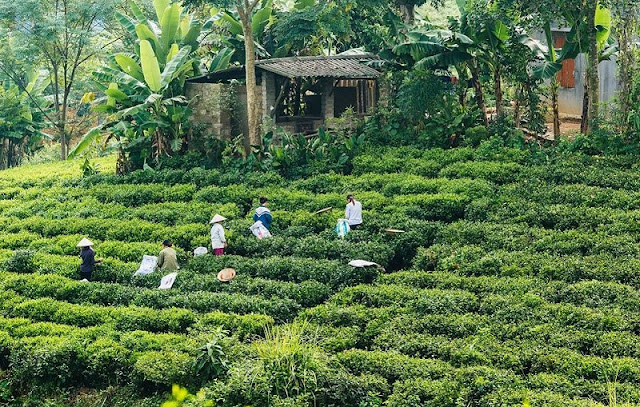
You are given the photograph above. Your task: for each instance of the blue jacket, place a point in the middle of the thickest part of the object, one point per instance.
(88, 260)
(264, 215)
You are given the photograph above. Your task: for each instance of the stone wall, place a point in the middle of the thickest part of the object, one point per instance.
(328, 100)
(210, 107)
(222, 108)
(267, 94)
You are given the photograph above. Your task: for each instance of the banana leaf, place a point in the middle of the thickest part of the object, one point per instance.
(87, 139)
(170, 70)
(143, 32)
(102, 108)
(500, 31)
(222, 60)
(160, 6)
(132, 111)
(226, 20)
(191, 37)
(443, 60)
(547, 70)
(130, 66)
(117, 94)
(127, 23)
(603, 21)
(111, 101)
(137, 12)
(185, 26)
(420, 49)
(150, 66)
(261, 18)
(170, 23)
(181, 100)
(173, 51)
(123, 79)
(153, 98)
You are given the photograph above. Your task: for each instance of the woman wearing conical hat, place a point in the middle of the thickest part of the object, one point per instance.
(88, 257)
(218, 241)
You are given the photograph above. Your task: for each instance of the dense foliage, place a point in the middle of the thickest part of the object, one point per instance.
(21, 119)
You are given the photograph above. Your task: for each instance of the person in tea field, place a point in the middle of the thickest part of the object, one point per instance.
(353, 212)
(218, 240)
(263, 214)
(88, 256)
(168, 259)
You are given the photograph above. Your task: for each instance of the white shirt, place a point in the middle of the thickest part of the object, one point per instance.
(353, 213)
(217, 236)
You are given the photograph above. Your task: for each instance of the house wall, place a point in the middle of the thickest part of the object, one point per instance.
(221, 108)
(226, 118)
(328, 100)
(570, 99)
(207, 102)
(267, 93)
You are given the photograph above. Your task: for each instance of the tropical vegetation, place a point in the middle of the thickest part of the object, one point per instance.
(505, 250)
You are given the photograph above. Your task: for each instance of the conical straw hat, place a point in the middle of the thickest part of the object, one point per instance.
(226, 275)
(217, 218)
(85, 243)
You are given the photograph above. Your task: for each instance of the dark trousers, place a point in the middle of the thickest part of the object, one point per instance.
(85, 274)
(354, 227)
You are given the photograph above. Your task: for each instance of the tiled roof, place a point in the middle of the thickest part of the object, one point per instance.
(339, 66)
(336, 66)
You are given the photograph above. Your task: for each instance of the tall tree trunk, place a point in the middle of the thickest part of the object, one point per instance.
(4, 154)
(408, 13)
(555, 86)
(253, 137)
(62, 133)
(516, 109)
(593, 74)
(462, 97)
(497, 87)
(627, 66)
(477, 86)
(122, 162)
(60, 124)
(584, 123)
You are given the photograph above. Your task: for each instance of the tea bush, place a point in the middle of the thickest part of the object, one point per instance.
(515, 277)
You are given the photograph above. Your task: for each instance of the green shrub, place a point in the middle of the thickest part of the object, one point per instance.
(46, 361)
(245, 326)
(17, 240)
(107, 362)
(142, 341)
(22, 262)
(423, 392)
(475, 135)
(393, 366)
(161, 369)
(499, 173)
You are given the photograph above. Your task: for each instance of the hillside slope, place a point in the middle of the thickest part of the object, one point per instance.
(516, 279)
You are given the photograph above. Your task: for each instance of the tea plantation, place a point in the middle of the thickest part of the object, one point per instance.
(516, 279)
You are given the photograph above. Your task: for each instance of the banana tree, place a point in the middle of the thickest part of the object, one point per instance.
(233, 38)
(464, 48)
(147, 112)
(491, 36)
(590, 34)
(173, 29)
(548, 70)
(22, 118)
